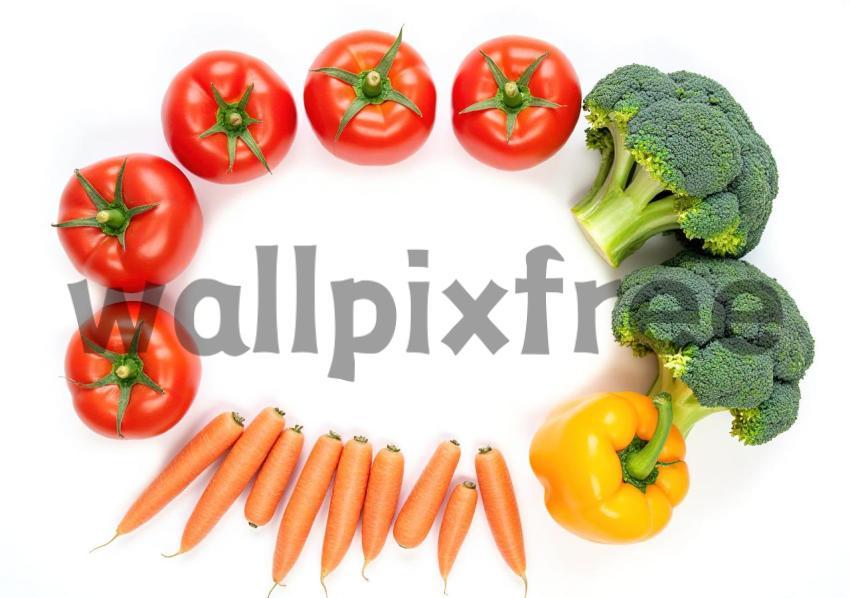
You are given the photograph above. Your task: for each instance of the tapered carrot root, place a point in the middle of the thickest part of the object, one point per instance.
(198, 454)
(381, 501)
(347, 498)
(304, 504)
(497, 494)
(419, 511)
(456, 521)
(273, 477)
(240, 465)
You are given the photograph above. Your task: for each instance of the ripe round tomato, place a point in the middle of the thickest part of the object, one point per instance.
(129, 372)
(130, 221)
(512, 114)
(228, 117)
(370, 98)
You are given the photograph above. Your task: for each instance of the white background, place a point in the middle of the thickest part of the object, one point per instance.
(83, 81)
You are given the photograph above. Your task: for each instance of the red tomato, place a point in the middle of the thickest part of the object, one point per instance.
(517, 124)
(132, 377)
(385, 127)
(228, 117)
(143, 231)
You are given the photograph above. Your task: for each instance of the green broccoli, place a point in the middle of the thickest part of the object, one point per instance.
(678, 154)
(727, 338)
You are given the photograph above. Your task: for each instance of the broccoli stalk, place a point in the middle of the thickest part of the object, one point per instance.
(678, 155)
(687, 411)
(619, 214)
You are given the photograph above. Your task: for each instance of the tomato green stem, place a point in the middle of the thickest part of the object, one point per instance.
(372, 84)
(512, 97)
(512, 94)
(234, 120)
(111, 217)
(127, 371)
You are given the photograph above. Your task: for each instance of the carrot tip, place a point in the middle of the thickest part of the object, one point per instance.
(525, 584)
(446, 586)
(252, 524)
(171, 556)
(274, 585)
(363, 570)
(324, 587)
(105, 544)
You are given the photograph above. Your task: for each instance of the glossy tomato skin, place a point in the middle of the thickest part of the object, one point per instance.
(160, 243)
(380, 134)
(189, 109)
(175, 368)
(539, 132)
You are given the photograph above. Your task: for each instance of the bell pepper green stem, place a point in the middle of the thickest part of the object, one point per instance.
(643, 462)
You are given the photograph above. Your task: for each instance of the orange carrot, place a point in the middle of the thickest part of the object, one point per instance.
(273, 477)
(497, 494)
(347, 498)
(198, 454)
(422, 505)
(304, 504)
(240, 465)
(456, 521)
(381, 501)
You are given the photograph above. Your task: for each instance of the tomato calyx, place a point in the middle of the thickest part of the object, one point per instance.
(112, 217)
(232, 119)
(512, 97)
(127, 371)
(371, 86)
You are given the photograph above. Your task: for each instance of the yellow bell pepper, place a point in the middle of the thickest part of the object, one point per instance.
(612, 466)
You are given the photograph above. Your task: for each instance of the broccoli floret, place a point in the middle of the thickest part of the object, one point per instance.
(727, 338)
(679, 154)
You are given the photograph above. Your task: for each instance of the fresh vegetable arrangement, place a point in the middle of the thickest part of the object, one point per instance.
(678, 154)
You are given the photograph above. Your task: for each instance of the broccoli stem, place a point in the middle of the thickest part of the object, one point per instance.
(621, 215)
(686, 408)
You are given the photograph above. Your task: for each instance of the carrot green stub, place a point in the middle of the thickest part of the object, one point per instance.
(127, 371)
(512, 97)
(371, 86)
(111, 217)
